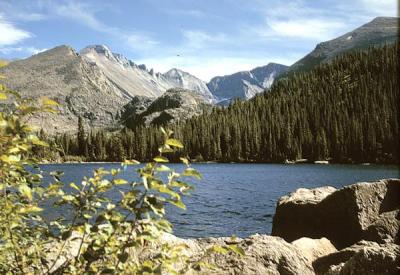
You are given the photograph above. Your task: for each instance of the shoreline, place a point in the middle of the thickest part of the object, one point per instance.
(216, 162)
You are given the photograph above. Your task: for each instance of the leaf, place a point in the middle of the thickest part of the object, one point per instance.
(178, 203)
(163, 168)
(30, 209)
(73, 185)
(68, 198)
(119, 181)
(49, 102)
(184, 160)
(87, 216)
(26, 191)
(123, 257)
(10, 158)
(161, 159)
(219, 249)
(190, 172)
(174, 142)
(65, 235)
(131, 162)
(236, 249)
(3, 96)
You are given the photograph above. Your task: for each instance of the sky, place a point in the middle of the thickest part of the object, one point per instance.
(205, 38)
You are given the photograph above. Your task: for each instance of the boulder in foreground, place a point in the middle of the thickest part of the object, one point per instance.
(362, 211)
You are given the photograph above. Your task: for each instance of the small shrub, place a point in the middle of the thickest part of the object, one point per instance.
(95, 235)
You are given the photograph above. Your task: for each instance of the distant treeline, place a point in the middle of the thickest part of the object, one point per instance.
(346, 111)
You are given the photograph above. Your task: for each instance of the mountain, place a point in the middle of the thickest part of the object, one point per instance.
(95, 84)
(185, 80)
(130, 78)
(378, 32)
(245, 84)
(137, 80)
(81, 88)
(175, 104)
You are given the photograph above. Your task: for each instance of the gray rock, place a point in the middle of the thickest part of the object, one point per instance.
(313, 249)
(385, 229)
(181, 79)
(343, 216)
(95, 84)
(362, 258)
(246, 84)
(263, 255)
(80, 87)
(175, 104)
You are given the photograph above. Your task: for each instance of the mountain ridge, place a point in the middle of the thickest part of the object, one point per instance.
(377, 32)
(245, 84)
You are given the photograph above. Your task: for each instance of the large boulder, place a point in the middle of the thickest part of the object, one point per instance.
(365, 257)
(385, 229)
(343, 216)
(263, 255)
(313, 249)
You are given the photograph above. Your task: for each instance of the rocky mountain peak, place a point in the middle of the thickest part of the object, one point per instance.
(182, 79)
(99, 49)
(174, 72)
(245, 84)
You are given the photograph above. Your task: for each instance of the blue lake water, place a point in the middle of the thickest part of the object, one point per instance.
(240, 199)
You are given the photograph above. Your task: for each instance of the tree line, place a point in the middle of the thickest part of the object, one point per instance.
(345, 111)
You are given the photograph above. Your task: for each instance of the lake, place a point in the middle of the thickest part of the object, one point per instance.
(240, 199)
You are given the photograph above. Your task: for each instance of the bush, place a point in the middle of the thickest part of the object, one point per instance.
(96, 235)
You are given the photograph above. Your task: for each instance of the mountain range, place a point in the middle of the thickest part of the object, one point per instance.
(101, 86)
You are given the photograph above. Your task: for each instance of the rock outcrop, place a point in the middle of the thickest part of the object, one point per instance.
(175, 104)
(362, 211)
(313, 249)
(361, 258)
(245, 84)
(372, 210)
(80, 87)
(263, 255)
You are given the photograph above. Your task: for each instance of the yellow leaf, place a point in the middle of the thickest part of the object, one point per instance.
(184, 160)
(30, 209)
(49, 102)
(3, 96)
(131, 162)
(120, 181)
(26, 191)
(190, 172)
(10, 158)
(73, 185)
(160, 159)
(174, 142)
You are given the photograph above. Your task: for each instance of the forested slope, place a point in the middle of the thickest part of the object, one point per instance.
(346, 110)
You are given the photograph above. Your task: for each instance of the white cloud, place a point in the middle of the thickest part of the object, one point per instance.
(83, 14)
(305, 28)
(193, 13)
(139, 42)
(380, 7)
(27, 50)
(10, 34)
(197, 39)
(86, 15)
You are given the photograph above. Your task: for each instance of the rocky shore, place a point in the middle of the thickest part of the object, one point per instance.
(353, 230)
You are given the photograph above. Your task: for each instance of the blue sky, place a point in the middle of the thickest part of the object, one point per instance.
(204, 37)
